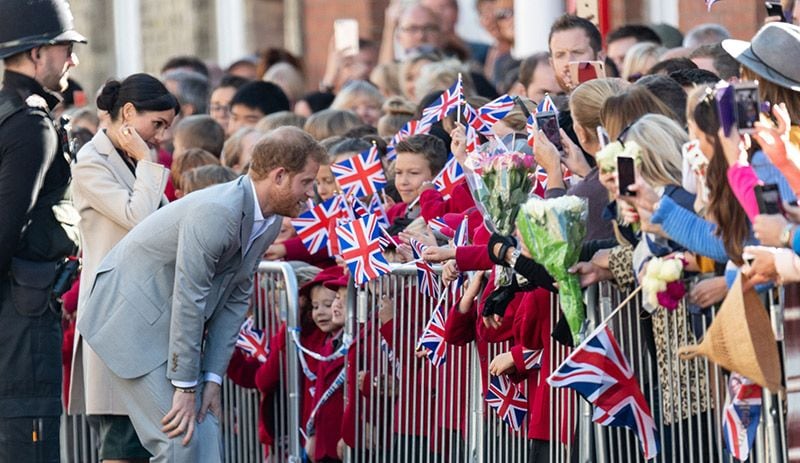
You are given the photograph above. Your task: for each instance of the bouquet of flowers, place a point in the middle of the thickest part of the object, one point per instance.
(553, 230)
(500, 183)
(662, 284)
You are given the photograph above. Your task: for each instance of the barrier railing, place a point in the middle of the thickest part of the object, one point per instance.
(409, 410)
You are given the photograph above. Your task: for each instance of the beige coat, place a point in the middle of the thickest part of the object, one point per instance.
(111, 201)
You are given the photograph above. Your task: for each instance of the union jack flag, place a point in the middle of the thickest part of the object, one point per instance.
(446, 104)
(376, 209)
(252, 341)
(426, 277)
(511, 406)
(741, 415)
(471, 139)
(495, 110)
(531, 126)
(360, 249)
(312, 225)
(532, 358)
(599, 371)
(474, 120)
(432, 337)
(461, 235)
(358, 208)
(540, 177)
(451, 175)
(439, 225)
(546, 105)
(460, 238)
(410, 128)
(360, 175)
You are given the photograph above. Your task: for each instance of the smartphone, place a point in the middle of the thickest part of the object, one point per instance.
(547, 122)
(585, 71)
(345, 36)
(748, 105)
(775, 9)
(602, 136)
(724, 99)
(768, 198)
(626, 175)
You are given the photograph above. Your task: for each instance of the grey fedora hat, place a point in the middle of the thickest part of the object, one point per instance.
(774, 54)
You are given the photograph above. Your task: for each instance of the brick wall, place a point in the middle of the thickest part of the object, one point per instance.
(318, 17)
(742, 17)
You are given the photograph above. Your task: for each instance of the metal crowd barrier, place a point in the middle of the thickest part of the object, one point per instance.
(415, 412)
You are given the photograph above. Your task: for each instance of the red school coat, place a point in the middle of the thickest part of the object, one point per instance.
(248, 372)
(532, 331)
(296, 250)
(463, 328)
(432, 203)
(327, 422)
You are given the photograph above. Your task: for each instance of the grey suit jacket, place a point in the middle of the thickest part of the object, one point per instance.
(180, 273)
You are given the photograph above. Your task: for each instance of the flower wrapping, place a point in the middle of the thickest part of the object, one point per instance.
(503, 186)
(553, 230)
(662, 284)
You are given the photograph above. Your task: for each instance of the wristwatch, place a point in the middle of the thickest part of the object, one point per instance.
(786, 235)
(512, 262)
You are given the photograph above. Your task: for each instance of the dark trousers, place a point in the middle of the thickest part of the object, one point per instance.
(33, 440)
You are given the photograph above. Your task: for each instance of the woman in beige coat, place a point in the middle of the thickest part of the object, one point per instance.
(115, 186)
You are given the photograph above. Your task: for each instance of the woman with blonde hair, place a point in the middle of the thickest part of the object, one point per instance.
(639, 59)
(362, 98)
(409, 73)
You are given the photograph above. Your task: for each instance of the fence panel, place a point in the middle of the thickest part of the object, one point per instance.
(409, 410)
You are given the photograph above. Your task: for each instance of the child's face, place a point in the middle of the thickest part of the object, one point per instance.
(286, 232)
(338, 308)
(321, 308)
(326, 183)
(411, 170)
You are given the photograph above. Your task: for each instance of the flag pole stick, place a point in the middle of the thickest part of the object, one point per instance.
(460, 97)
(600, 326)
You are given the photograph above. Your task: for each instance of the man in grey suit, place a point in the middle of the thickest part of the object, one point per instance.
(168, 300)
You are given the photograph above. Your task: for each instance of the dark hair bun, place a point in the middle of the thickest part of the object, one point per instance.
(109, 95)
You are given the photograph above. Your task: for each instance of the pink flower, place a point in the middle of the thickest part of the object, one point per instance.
(666, 301)
(676, 289)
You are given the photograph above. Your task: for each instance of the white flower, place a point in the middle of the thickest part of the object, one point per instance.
(607, 157)
(652, 285)
(671, 270)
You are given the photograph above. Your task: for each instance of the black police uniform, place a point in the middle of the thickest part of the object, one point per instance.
(38, 230)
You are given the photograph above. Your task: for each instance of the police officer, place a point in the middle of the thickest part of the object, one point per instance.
(37, 223)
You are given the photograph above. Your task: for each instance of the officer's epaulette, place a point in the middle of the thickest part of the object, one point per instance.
(36, 101)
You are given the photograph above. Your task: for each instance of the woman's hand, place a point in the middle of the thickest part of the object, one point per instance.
(573, 156)
(762, 265)
(548, 157)
(708, 292)
(589, 273)
(733, 146)
(645, 196)
(132, 143)
(769, 228)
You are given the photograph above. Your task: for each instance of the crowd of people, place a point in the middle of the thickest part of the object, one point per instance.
(178, 185)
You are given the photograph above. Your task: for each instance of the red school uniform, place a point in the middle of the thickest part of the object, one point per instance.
(532, 331)
(330, 412)
(433, 205)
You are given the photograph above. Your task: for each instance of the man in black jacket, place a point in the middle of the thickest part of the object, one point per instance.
(37, 225)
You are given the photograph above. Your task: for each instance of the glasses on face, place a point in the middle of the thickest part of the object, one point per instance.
(504, 13)
(426, 29)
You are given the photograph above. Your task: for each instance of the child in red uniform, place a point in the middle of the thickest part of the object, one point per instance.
(322, 426)
(419, 160)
